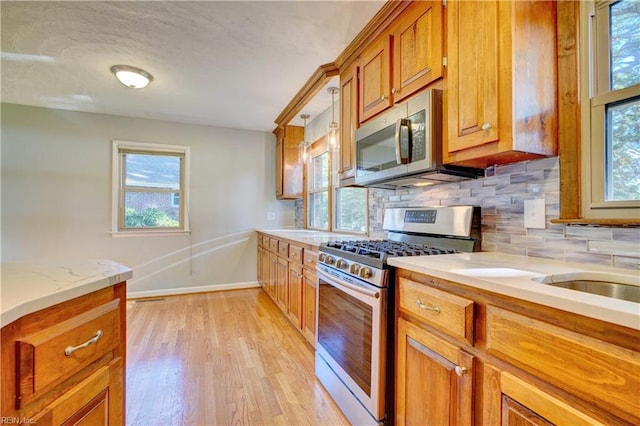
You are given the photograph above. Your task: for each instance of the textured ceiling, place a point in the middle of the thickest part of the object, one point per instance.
(223, 63)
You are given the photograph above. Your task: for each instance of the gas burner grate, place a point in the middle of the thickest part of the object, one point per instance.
(381, 249)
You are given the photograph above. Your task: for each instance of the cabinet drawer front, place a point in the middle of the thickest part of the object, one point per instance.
(450, 313)
(43, 359)
(273, 245)
(310, 259)
(296, 253)
(598, 372)
(264, 241)
(283, 249)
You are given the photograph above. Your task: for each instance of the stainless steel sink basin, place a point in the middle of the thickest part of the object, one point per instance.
(623, 287)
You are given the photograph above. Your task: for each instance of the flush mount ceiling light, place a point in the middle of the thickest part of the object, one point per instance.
(135, 78)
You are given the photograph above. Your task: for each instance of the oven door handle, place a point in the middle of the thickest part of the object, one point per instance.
(335, 280)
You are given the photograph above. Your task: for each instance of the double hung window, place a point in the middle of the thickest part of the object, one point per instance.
(611, 109)
(150, 185)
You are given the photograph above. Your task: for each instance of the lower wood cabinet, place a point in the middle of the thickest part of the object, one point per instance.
(65, 365)
(286, 272)
(434, 379)
(523, 364)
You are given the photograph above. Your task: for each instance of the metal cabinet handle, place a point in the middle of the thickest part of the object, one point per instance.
(394, 91)
(460, 371)
(486, 126)
(383, 98)
(428, 308)
(71, 349)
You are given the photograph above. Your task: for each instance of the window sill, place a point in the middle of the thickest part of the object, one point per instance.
(155, 233)
(599, 222)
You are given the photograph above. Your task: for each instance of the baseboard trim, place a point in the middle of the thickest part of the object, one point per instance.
(190, 290)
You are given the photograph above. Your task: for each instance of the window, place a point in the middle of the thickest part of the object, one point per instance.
(150, 185)
(611, 110)
(329, 207)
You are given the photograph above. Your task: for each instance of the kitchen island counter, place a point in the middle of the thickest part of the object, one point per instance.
(519, 276)
(30, 287)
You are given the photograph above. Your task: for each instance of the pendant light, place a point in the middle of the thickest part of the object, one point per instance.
(332, 134)
(303, 148)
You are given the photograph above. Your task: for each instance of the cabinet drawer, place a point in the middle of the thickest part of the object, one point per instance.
(55, 353)
(310, 259)
(273, 245)
(264, 241)
(450, 313)
(283, 249)
(599, 372)
(296, 253)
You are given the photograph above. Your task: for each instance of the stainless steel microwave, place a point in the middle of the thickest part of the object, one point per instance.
(403, 145)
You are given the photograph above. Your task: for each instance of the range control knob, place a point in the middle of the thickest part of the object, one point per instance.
(329, 260)
(321, 257)
(341, 264)
(355, 268)
(365, 272)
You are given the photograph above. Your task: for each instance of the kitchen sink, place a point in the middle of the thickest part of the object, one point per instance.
(617, 286)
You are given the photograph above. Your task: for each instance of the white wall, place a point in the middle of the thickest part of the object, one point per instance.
(56, 197)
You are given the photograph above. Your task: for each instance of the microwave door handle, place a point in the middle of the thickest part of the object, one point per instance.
(403, 122)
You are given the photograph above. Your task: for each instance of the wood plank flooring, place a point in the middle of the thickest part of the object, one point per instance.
(223, 358)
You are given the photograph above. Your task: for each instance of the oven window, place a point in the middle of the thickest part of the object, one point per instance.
(345, 332)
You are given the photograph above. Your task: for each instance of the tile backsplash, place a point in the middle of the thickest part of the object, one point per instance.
(501, 198)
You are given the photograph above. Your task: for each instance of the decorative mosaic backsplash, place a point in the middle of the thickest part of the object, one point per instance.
(501, 198)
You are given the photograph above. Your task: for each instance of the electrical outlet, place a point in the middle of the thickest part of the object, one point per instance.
(534, 213)
(271, 215)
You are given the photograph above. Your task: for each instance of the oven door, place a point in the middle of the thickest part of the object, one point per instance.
(351, 335)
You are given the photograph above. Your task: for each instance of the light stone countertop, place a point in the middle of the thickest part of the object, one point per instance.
(515, 276)
(309, 236)
(29, 287)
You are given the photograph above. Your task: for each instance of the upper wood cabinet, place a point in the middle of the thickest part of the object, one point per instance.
(348, 121)
(403, 60)
(417, 48)
(288, 170)
(500, 100)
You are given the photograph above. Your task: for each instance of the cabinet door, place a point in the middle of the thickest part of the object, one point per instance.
(309, 306)
(294, 305)
(282, 277)
(279, 165)
(375, 78)
(291, 169)
(471, 99)
(434, 379)
(515, 414)
(417, 53)
(273, 275)
(348, 121)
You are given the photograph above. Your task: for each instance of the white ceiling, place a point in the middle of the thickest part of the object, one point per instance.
(223, 63)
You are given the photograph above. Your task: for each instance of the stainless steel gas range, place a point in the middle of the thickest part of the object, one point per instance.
(355, 324)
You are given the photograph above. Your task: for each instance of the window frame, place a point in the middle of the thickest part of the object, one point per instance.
(319, 147)
(596, 94)
(121, 147)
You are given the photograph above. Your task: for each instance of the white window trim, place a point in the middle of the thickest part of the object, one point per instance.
(595, 94)
(115, 188)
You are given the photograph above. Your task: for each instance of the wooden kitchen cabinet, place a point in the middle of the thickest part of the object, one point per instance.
(291, 283)
(288, 169)
(403, 60)
(434, 379)
(348, 123)
(282, 283)
(417, 48)
(500, 100)
(296, 283)
(50, 378)
(526, 363)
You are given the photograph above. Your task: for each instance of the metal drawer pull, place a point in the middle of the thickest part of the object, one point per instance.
(460, 371)
(486, 126)
(428, 308)
(71, 349)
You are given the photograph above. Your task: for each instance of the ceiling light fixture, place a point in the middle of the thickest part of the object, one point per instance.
(135, 78)
(332, 134)
(303, 148)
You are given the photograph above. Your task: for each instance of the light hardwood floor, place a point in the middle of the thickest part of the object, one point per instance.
(224, 358)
